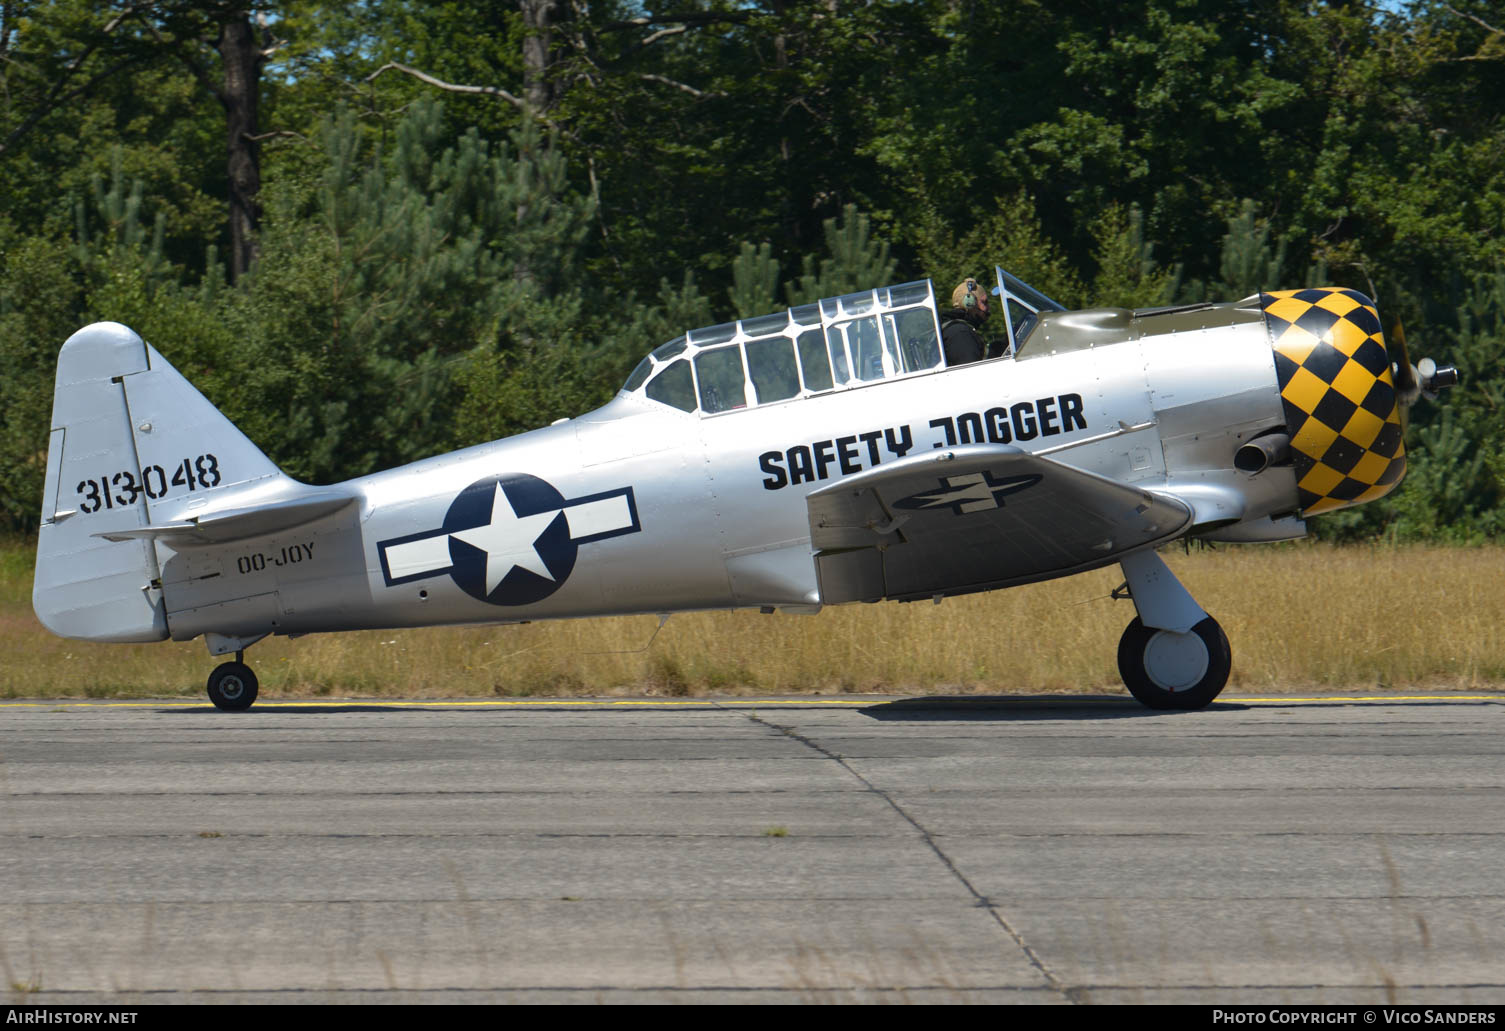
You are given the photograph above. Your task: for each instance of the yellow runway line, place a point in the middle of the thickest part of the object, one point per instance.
(1368, 698)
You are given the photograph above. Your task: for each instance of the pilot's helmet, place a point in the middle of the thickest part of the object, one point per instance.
(970, 295)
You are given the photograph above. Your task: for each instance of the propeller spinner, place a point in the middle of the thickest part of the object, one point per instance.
(1424, 379)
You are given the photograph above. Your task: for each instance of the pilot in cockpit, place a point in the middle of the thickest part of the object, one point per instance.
(961, 325)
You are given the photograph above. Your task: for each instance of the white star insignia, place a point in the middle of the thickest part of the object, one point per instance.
(508, 540)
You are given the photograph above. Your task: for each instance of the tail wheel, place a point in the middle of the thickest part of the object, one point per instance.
(232, 686)
(1165, 669)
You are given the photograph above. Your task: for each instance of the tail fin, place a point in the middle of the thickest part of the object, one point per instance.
(133, 444)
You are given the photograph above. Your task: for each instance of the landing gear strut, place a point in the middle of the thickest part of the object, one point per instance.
(1174, 655)
(232, 685)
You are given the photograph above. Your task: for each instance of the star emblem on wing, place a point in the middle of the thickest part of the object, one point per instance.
(972, 492)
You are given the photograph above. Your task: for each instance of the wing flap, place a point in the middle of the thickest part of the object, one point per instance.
(974, 518)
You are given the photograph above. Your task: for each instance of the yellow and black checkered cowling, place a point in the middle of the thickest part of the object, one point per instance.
(1341, 408)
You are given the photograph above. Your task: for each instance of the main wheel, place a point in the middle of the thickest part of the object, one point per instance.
(232, 686)
(1169, 670)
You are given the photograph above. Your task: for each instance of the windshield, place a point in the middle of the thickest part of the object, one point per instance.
(1022, 305)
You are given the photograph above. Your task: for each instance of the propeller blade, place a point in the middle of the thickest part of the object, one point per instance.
(1407, 386)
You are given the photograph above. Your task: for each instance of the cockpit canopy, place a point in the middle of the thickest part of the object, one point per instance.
(837, 343)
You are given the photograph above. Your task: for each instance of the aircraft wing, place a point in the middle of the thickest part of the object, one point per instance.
(975, 518)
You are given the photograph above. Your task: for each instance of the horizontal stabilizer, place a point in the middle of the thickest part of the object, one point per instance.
(235, 524)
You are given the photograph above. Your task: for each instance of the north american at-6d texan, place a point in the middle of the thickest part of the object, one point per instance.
(819, 455)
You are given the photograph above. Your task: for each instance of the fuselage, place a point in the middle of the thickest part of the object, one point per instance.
(642, 507)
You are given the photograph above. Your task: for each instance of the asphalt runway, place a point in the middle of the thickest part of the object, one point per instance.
(1031, 850)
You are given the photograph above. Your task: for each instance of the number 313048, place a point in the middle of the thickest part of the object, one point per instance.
(123, 489)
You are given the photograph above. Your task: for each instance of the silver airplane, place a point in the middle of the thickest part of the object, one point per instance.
(819, 455)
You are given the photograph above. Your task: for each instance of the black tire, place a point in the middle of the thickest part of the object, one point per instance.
(232, 686)
(1172, 686)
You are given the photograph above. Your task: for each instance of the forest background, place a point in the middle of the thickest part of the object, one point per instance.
(372, 232)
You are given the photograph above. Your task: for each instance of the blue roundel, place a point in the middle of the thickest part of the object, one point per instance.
(504, 547)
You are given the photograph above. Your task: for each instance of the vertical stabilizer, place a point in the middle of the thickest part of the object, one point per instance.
(132, 443)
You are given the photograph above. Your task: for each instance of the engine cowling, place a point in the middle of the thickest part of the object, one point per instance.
(1342, 411)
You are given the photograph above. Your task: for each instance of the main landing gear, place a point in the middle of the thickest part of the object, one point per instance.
(1173, 655)
(1169, 670)
(232, 685)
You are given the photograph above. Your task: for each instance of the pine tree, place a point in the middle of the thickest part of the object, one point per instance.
(386, 292)
(1005, 233)
(854, 261)
(1127, 276)
(1248, 263)
(755, 281)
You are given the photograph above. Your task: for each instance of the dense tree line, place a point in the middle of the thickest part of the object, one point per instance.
(371, 232)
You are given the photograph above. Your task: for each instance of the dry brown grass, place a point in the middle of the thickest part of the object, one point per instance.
(1298, 616)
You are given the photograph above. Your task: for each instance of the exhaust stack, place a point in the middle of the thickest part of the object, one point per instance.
(1262, 452)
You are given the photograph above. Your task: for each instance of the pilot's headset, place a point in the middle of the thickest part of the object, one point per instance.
(968, 293)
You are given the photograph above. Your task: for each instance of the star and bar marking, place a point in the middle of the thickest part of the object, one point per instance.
(509, 540)
(970, 492)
